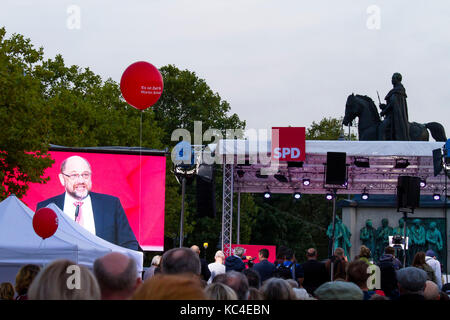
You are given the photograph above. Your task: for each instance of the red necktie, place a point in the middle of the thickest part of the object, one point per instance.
(79, 217)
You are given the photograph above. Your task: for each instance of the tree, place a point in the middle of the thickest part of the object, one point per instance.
(24, 118)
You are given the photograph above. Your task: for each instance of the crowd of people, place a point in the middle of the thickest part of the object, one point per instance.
(180, 274)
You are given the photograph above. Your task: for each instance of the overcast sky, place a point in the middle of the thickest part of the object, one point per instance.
(277, 63)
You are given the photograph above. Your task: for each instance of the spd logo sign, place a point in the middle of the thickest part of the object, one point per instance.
(288, 144)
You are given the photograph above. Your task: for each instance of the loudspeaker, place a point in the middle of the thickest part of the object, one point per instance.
(408, 192)
(206, 195)
(336, 172)
(437, 161)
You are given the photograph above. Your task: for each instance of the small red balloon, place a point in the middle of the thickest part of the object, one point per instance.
(141, 85)
(45, 222)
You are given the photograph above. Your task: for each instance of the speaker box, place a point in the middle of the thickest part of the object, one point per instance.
(206, 195)
(408, 192)
(336, 172)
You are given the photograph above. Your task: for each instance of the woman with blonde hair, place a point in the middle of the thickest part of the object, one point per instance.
(220, 291)
(64, 280)
(277, 289)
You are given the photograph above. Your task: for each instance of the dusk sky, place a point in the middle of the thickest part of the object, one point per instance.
(277, 63)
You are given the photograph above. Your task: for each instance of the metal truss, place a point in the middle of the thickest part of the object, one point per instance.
(227, 208)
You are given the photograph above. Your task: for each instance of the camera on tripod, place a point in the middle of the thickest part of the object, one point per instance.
(398, 242)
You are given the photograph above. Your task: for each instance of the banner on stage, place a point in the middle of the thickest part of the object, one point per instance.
(288, 144)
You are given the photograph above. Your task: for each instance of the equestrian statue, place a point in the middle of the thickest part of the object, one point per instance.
(395, 125)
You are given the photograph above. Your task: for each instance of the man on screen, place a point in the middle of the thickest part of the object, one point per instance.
(101, 214)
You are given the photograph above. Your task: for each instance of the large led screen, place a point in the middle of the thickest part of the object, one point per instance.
(138, 180)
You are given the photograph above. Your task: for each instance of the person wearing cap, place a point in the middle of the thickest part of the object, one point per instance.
(434, 263)
(411, 283)
(339, 290)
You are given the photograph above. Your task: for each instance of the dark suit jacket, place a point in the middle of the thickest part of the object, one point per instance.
(265, 269)
(111, 223)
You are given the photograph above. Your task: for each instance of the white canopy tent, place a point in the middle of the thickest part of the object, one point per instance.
(20, 245)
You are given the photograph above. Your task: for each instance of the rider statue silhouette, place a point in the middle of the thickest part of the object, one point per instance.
(396, 111)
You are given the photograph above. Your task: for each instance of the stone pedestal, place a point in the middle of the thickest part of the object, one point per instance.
(355, 213)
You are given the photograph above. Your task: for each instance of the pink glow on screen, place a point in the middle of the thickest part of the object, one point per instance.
(119, 175)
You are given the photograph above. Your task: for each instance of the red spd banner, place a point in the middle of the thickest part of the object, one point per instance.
(288, 144)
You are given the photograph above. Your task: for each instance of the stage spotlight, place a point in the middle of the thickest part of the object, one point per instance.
(280, 178)
(329, 196)
(362, 162)
(306, 182)
(365, 195)
(240, 173)
(401, 163)
(345, 184)
(267, 195)
(297, 195)
(436, 196)
(423, 183)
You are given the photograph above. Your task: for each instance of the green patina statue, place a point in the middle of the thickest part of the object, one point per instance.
(382, 238)
(341, 236)
(418, 237)
(367, 236)
(434, 239)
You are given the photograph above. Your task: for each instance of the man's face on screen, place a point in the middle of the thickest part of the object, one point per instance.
(76, 177)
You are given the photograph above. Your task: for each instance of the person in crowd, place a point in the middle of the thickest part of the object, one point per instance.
(254, 294)
(365, 255)
(24, 278)
(389, 255)
(100, 214)
(433, 262)
(339, 290)
(411, 283)
(220, 291)
(180, 260)
(300, 293)
(340, 263)
(419, 262)
(205, 273)
(277, 289)
(234, 262)
(357, 272)
(6, 291)
(281, 254)
(388, 267)
(236, 281)
(254, 280)
(431, 291)
(289, 268)
(154, 266)
(64, 280)
(265, 268)
(117, 276)
(217, 267)
(171, 287)
(314, 272)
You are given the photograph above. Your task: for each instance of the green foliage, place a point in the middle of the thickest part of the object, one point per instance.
(23, 117)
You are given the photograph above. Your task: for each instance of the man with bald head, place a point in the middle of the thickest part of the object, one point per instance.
(205, 273)
(100, 214)
(314, 272)
(117, 276)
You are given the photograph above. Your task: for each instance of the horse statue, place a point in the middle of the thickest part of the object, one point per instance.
(371, 127)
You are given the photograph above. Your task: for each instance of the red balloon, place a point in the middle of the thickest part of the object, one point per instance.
(141, 85)
(45, 222)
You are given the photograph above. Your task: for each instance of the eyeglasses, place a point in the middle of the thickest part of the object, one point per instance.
(75, 176)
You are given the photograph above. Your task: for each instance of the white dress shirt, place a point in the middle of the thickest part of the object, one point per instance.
(88, 214)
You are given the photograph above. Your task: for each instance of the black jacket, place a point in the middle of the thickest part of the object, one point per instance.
(234, 263)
